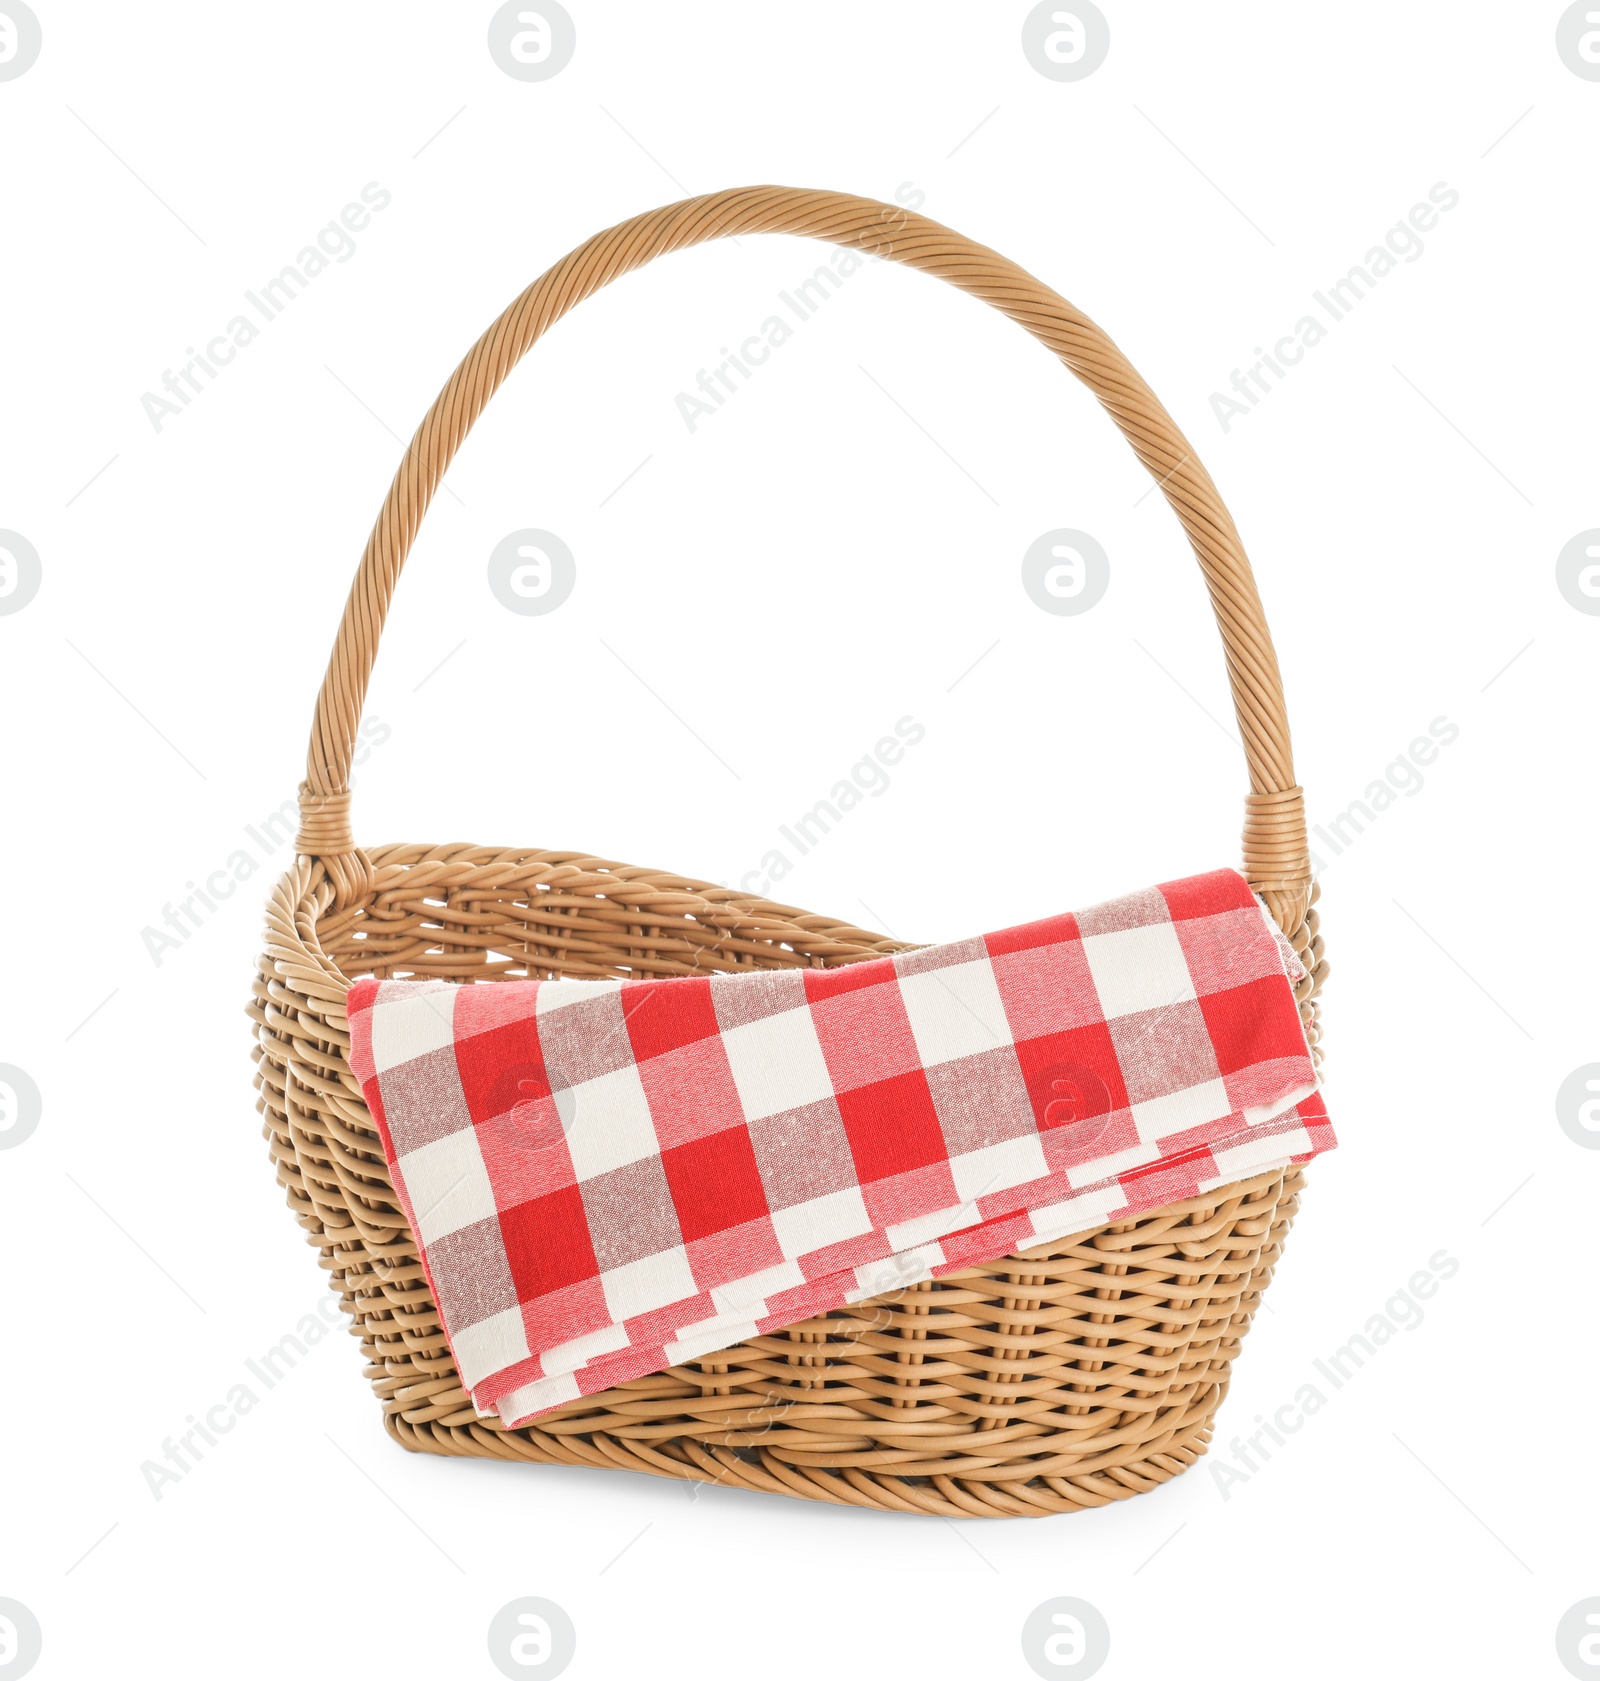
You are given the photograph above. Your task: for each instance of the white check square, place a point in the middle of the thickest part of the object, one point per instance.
(896, 1272)
(1194, 1106)
(448, 1184)
(1259, 1114)
(707, 1336)
(571, 1356)
(1076, 1214)
(536, 1397)
(607, 1121)
(1108, 1167)
(955, 1012)
(750, 1293)
(1138, 969)
(823, 1220)
(926, 1228)
(406, 1028)
(491, 1345)
(643, 1286)
(556, 995)
(998, 1167)
(1256, 1155)
(777, 1063)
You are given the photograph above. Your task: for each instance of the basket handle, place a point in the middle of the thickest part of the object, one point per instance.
(1276, 858)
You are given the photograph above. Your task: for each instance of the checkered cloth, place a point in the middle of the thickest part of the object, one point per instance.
(607, 1178)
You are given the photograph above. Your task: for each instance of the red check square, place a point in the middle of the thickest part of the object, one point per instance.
(1242, 1032)
(665, 1016)
(892, 1126)
(715, 1183)
(547, 1242)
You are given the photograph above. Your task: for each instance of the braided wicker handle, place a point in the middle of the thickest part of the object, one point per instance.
(1276, 859)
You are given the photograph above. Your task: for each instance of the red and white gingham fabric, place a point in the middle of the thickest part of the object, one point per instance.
(607, 1178)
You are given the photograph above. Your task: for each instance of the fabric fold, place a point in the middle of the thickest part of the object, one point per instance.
(609, 1178)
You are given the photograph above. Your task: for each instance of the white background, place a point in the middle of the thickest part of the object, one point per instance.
(802, 570)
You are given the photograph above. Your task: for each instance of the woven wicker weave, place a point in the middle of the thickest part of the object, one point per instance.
(1075, 1374)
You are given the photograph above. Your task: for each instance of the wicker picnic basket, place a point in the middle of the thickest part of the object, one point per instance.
(1069, 1376)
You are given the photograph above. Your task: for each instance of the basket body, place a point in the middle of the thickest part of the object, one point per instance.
(1072, 1375)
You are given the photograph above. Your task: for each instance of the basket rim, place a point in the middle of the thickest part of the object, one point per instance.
(304, 903)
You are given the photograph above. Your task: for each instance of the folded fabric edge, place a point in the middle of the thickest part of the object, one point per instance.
(1293, 968)
(1253, 1130)
(1239, 1157)
(1042, 1210)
